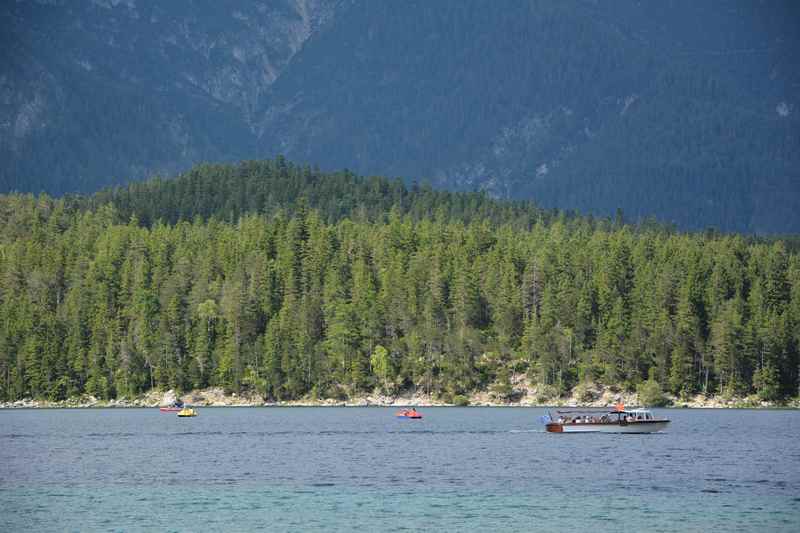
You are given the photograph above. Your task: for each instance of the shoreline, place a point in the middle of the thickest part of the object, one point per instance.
(215, 397)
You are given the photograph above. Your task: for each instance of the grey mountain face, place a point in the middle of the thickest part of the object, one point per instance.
(680, 110)
(99, 92)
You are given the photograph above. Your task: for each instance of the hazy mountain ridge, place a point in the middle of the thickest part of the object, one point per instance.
(107, 91)
(576, 105)
(682, 111)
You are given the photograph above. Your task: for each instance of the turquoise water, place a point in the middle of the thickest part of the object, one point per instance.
(290, 469)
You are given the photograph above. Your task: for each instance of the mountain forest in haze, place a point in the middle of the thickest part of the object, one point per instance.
(681, 110)
(290, 282)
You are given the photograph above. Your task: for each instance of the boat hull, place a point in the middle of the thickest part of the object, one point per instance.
(645, 426)
(169, 409)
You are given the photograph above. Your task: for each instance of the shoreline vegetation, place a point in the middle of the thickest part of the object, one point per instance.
(526, 397)
(289, 284)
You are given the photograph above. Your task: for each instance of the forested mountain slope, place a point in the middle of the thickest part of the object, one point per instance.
(687, 111)
(417, 293)
(226, 191)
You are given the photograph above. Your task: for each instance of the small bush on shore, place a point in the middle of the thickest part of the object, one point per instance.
(650, 394)
(459, 400)
(585, 392)
(545, 393)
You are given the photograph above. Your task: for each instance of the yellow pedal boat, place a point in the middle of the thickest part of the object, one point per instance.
(187, 411)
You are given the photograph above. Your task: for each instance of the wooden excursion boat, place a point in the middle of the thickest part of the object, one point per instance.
(617, 421)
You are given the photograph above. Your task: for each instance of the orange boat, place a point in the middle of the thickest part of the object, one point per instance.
(408, 413)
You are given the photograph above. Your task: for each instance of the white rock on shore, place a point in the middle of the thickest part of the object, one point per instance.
(524, 395)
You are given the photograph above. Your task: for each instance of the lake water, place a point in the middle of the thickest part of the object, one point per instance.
(488, 469)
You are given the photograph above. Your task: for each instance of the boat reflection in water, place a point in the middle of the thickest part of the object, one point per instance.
(617, 421)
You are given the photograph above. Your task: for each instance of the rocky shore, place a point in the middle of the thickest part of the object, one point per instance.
(216, 397)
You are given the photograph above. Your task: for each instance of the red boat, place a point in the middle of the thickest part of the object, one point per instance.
(176, 406)
(408, 413)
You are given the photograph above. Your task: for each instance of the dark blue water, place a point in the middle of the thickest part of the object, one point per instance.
(350, 468)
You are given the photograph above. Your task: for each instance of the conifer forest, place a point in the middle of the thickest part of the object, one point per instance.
(279, 279)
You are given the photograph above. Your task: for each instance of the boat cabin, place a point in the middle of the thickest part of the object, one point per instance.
(640, 414)
(612, 417)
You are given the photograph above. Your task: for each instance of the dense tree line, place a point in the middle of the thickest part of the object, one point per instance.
(300, 302)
